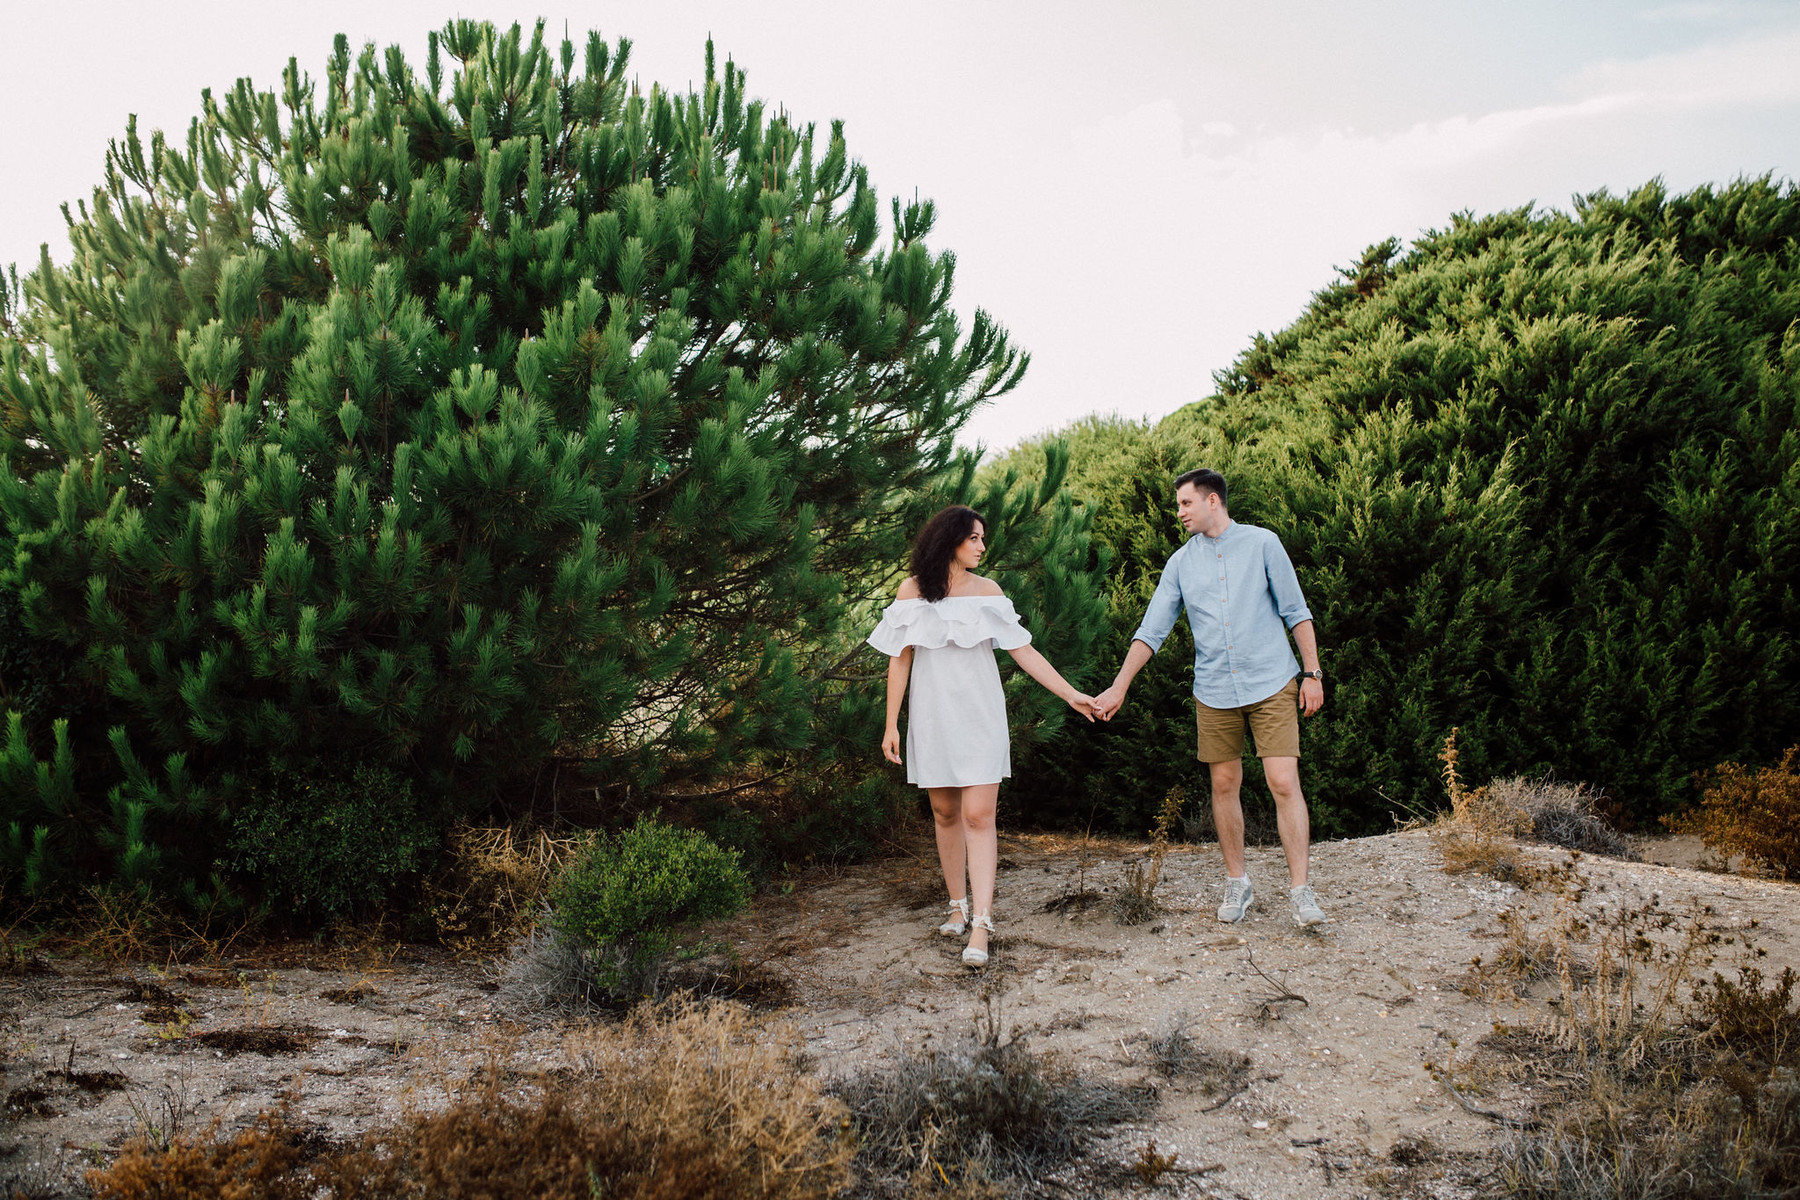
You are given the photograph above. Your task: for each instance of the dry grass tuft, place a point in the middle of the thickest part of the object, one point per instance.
(1560, 814)
(1135, 902)
(1755, 814)
(260, 1163)
(1174, 1053)
(1529, 953)
(988, 1111)
(690, 1101)
(491, 882)
(1480, 832)
(1651, 1084)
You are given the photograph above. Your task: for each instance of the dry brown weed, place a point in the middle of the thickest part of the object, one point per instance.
(1480, 833)
(1753, 814)
(1135, 902)
(1649, 1081)
(691, 1100)
(491, 882)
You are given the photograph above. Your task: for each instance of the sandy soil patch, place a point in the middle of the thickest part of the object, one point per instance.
(1338, 1022)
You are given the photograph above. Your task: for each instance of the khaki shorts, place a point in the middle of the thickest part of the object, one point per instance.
(1274, 723)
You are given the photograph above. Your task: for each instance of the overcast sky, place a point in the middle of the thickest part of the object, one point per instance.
(1134, 195)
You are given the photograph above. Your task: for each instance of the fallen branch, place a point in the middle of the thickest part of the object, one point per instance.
(1482, 1112)
(1283, 994)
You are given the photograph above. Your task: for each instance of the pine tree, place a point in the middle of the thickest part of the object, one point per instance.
(469, 422)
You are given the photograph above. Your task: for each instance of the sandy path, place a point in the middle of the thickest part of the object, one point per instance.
(1337, 1100)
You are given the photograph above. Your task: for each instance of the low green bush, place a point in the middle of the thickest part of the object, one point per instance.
(623, 898)
(330, 843)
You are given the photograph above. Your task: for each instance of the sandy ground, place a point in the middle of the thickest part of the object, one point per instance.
(1338, 1099)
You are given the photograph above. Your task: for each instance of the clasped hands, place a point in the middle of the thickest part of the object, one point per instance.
(1106, 705)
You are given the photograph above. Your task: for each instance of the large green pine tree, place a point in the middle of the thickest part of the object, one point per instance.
(465, 423)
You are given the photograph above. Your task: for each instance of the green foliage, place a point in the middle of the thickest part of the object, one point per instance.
(624, 897)
(328, 843)
(478, 418)
(1540, 476)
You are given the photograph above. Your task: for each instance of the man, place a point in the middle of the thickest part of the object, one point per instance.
(1242, 600)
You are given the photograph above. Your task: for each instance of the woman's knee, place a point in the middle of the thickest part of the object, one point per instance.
(946, 805)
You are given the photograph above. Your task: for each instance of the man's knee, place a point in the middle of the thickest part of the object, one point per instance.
(1283, 776)
(1227, 777)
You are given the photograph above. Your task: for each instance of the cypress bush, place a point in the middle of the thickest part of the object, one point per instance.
(1540, 476)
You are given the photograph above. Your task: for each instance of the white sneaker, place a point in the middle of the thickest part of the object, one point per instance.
(1306, 906)
(1238, 896)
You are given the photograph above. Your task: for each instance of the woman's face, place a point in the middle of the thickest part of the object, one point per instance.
(968, 554)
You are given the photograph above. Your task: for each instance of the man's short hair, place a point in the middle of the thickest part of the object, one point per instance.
(1204, 478)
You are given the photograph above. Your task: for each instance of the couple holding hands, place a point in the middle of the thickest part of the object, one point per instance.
(1242, 600)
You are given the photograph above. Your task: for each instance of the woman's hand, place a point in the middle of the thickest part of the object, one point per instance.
(1083, 704)
(890, 744)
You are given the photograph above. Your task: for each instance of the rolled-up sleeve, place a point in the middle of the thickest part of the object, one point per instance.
(1284, 585)
(1164, 608)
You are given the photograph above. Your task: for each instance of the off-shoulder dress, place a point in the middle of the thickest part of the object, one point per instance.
(956, 708)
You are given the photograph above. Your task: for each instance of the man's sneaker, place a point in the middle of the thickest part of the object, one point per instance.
(1237, 900)
(1306, 906)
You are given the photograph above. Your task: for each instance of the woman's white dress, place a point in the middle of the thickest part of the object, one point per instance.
(956, 708)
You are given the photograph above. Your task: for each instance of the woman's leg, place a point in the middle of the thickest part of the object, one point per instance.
(978, 828)
(946, 813)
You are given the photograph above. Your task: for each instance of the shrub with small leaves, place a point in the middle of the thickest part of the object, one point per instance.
(331, 843)
(623, 898)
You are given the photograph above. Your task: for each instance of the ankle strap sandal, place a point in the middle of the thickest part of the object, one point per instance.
(958, 924)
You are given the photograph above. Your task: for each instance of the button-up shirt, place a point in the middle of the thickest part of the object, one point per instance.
(1242, 597)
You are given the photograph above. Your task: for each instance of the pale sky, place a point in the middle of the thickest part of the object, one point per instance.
(1133, 194)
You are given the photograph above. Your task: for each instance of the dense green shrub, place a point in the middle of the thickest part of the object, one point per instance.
(624, 898)
(1540, 476)
(329, 843)
(493, 418)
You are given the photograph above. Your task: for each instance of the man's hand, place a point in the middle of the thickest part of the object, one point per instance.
(1109, 702)
(1312, 697)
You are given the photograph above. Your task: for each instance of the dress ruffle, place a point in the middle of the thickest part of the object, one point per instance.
(966, 621)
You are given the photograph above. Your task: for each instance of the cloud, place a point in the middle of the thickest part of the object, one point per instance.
(1758, 70)
(1183, 240)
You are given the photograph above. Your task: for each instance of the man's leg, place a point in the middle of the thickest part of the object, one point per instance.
(1283, 775)
(1228, 813)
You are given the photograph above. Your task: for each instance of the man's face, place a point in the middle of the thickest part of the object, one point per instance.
(1195, 507)
(968, 554)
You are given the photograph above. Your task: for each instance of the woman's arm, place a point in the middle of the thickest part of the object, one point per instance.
(1039, 668)
(899, 671)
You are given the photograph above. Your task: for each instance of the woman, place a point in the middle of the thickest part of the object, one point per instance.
(940, 633)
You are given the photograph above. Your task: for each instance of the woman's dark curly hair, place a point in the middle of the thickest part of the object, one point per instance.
(936, 546)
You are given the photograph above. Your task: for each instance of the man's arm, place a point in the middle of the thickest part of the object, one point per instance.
(1160, 616)
(1284, 586)
(1312, 692)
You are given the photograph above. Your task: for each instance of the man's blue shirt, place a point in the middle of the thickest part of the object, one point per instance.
(1242, 597)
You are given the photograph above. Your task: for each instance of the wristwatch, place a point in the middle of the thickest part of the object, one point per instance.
(1318, 675)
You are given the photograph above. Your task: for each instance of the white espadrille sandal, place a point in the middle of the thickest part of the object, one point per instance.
(958, 924)
(971, 956)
